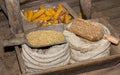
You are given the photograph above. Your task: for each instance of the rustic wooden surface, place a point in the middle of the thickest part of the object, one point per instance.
(10, 57)
(114, 70)
(3, 7)
(14, 15)
(21, 62)
(86, 7)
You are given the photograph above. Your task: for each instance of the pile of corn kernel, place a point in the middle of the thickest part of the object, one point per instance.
(47, 16)
(44, 37)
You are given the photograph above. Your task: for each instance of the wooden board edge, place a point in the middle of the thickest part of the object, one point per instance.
(68, 68)
(20, 61)
(70, 10)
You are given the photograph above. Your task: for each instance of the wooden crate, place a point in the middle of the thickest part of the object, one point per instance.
(76, 68)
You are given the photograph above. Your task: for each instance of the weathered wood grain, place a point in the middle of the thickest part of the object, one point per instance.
(21, 62)
(116, 24)
(111, 13)
(3, 7)
(1, 48)
(14, 15)
(86, 7)
(13, 42)
(105, 5)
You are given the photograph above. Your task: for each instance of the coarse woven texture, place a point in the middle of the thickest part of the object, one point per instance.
(44, 37)
(82, 49)
(37, 59)
(86, 29)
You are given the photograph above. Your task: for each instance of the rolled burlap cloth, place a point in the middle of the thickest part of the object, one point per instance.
(90, 30)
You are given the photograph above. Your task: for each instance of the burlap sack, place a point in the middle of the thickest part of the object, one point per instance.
(82, 50)
(38, 60)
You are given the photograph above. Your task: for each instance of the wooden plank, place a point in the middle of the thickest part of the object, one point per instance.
(20, 61)
(3, 19)
(105, 5)
(30, 3)
(116, 24)
(1, 48)
(96, 0)
(13, 42)
(86, 7)
(112, 13)
(14, 15)
(72, 3)
(3, 7)
(23, 1)
(3, 68)
(70, 10)
(77, 10)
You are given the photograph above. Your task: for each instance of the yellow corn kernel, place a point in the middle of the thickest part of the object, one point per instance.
(30, 15)
(38, 14)
(60, 6)
(67, 18)
(51, 21)
(39, 23)
(80, 15)
(45, 24)
(52, 11)
(39, 18)
(55, 22)
(62, 18)
(43, 15)
(57, 14)
(36, 20)
(25, 14)
(48, 13)
(46, 18)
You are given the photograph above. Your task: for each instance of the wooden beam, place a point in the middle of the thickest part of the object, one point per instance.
(14, 15)
(1, 48)
(22, 1)
(112, 13)
(2, 5)
(21, 62)
(86, 8)
(13, 42)
(70, 10)
(96, 0)
(104, 5)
